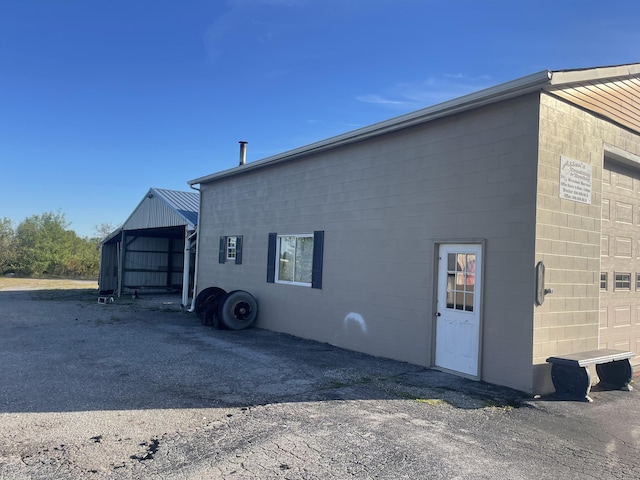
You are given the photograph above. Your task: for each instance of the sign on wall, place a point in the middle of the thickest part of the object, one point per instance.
(575, 180)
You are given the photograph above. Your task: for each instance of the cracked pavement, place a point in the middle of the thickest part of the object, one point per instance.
(140, 389)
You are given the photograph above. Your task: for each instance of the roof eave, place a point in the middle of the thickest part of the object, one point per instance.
(514, 88)
(564, 77)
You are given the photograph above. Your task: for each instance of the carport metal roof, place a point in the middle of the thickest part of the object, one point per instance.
(161, 213)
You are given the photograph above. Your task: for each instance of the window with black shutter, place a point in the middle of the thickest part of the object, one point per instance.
(296, 259)
(230, 250)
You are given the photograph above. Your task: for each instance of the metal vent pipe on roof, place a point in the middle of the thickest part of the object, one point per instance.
(243, 152)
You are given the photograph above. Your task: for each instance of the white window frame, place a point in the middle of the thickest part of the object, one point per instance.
(619, 282)
(279, 259)
(230, 250)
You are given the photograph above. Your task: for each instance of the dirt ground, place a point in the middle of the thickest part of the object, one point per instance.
(141, 389)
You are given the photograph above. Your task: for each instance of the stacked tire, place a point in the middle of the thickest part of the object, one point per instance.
(235, 310)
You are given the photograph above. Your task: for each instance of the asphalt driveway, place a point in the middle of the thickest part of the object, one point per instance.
(140, 389)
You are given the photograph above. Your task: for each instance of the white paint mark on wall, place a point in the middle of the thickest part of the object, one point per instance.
(354, 320)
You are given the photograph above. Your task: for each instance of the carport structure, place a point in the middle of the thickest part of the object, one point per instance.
(153, 250)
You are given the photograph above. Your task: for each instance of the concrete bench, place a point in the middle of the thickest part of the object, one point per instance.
(571, 377)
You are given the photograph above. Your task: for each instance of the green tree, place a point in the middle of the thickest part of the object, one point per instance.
(45, 246)
(7, 246)
(42, 243)
(85, 258)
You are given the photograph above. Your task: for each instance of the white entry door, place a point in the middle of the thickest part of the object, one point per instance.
(458, 307)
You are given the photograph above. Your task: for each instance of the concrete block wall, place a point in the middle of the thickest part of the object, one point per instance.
(568, 233)
(384, 204)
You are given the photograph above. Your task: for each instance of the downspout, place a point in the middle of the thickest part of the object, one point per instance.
(186, 266)
(122, 261)
(197, 234)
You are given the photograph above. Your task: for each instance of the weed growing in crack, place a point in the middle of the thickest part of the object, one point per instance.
(352, 383)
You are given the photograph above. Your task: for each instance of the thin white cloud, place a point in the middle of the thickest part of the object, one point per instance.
(374, 98)
(430, 91)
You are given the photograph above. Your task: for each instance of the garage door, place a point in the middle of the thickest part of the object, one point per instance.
(620, 265)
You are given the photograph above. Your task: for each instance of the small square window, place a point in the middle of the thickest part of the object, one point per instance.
(231, 248)
(603, 280)
(623, 281)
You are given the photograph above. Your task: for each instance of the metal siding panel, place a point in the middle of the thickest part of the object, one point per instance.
(108, 277)
(147, 263)
(165, 208)
(153, 213)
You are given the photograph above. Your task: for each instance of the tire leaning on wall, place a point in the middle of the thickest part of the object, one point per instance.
(237, 310)
(206, 305)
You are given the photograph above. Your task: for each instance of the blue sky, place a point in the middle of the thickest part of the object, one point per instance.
(101, 100)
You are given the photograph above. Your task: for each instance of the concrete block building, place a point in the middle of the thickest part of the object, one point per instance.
(478, 236)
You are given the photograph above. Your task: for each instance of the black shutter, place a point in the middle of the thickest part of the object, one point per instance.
(316, 269)
(221, 252)
(238, 250)
(271, 258)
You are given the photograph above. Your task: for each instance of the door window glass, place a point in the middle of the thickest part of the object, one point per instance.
(461, 276)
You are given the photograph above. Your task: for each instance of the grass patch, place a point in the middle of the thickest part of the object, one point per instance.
(17, 284)
(434, 402)
(493, 404)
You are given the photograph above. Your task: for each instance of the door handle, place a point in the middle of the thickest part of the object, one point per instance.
(438, 314)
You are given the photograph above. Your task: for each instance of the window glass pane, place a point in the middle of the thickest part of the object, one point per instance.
(470, 269)
(461, 279)
(623, 281)
(468, 302)
(286, 262)
(304, 259)
(295, 258)
(603, 280)
(451, 262)
(231, 248)
(460, 262)
(450, 289)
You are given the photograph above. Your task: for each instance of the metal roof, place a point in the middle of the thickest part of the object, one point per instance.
(161, 209)
(185, 204)
(547, 80)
